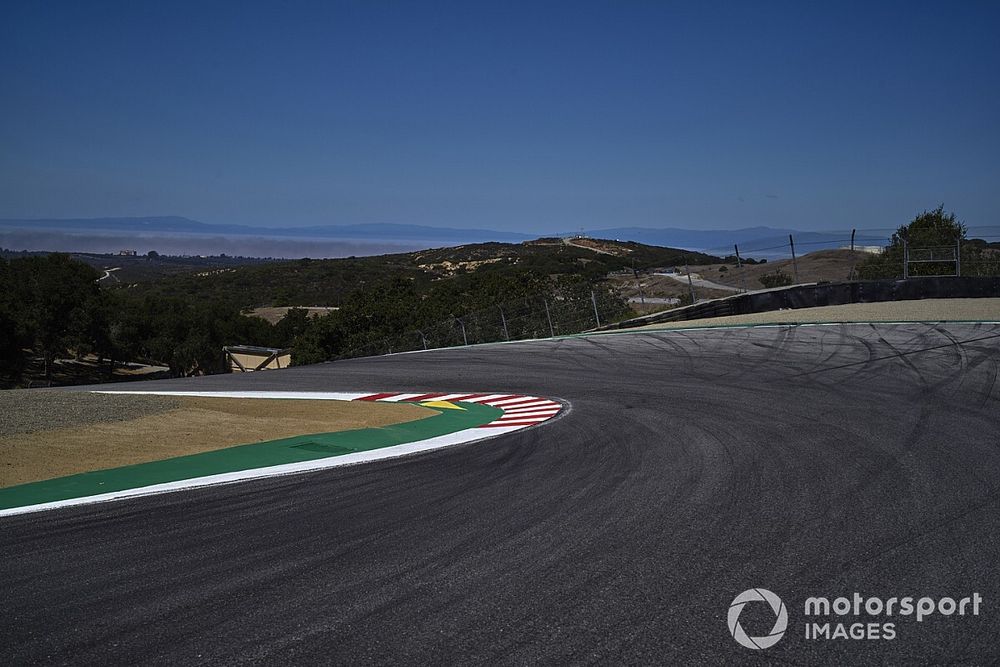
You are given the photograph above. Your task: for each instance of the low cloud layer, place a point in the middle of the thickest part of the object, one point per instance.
(193, 244)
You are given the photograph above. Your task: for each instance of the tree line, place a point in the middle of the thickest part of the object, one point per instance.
(52, 307)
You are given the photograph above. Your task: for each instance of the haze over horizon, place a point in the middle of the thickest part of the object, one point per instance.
(532, 118)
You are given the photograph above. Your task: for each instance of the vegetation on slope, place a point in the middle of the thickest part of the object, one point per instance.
(329, 282)
(52, 306)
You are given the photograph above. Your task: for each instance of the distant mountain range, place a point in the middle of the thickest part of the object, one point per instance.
(721, 241)
(179, 225)
(359, 239)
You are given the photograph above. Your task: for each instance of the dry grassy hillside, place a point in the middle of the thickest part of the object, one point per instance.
(822, 265)
(829, 265)
(658, 287)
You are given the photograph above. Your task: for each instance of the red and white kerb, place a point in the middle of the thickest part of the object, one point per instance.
(518, 411)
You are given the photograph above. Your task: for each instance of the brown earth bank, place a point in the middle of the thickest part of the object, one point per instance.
(100, 431)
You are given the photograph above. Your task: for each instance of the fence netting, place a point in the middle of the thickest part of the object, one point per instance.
(746, 265)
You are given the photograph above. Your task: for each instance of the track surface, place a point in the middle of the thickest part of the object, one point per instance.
(691, 466)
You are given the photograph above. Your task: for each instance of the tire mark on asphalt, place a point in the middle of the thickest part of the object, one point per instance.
(897, 355)
(617, 534)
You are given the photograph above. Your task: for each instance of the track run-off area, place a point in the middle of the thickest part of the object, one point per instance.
(460, 418)
(686, 467)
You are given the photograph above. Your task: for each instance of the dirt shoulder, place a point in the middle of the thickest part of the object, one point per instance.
(99, 431)
(27, 410)
(923, 310)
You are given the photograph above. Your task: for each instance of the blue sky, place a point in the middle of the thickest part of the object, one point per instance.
(520, 116)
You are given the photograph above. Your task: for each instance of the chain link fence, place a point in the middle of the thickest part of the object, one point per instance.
(557, 313)
(748, 265)
(814, 257)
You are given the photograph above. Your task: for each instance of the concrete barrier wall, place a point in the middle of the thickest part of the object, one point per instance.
(826, 294)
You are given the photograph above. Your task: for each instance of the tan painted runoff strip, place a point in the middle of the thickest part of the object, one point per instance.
(198, 425)
(923, 310)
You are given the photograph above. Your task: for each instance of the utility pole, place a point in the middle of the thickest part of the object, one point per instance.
(593, 300)
(552, 331)
(795, 263)
(852, 239)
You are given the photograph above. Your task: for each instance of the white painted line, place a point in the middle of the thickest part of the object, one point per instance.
(443, 397)
(402, 397)
(485, 399)
(505, 424)
(531, 413)
(448, 440)
(531, 406)
(515, 401)
(517, 424)
(297, 395)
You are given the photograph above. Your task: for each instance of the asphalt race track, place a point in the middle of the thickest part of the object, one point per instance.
(691, 466)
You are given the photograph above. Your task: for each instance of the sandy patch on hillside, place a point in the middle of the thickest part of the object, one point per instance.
(273, 314)
(196, 425)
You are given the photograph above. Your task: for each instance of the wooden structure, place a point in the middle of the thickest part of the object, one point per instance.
(247, 358)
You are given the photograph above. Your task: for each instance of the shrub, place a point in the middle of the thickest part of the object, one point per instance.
(777, 279)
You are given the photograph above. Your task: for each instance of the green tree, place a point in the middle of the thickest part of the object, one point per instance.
(322, 340)
(929, 229)
(57, 299)
(291, 326)
(15, 335)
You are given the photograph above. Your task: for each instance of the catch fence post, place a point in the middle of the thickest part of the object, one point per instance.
(906, 259)
(503, 318)
(593, 300)
(638, 283)
(958, 258)
(795, 262)
(739, 265)
(465, 338)
(423, 339)
(690, 282)
(852, 239)
(552, 331)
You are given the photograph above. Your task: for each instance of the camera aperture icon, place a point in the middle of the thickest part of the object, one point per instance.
(780, 622)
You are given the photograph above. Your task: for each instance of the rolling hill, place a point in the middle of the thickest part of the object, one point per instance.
(328, 282)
